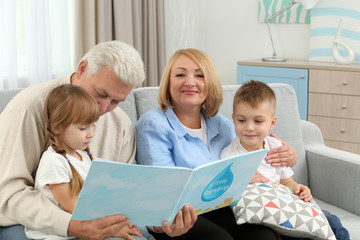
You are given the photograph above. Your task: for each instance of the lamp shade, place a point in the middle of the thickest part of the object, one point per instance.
(308, 4)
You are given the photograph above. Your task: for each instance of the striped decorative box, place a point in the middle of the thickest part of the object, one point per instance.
(325, 17)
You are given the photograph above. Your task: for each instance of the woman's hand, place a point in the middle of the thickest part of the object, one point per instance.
(282, 156)
(184, 221)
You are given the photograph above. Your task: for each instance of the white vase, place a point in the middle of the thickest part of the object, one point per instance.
(339, 59)
(348, 59)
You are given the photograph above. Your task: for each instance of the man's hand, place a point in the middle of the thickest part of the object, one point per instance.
(98, 229)
(184, 221)
(258, 178)
(282, 156)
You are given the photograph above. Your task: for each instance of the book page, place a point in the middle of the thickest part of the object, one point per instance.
(150, 195)
(147, 195)
(221, 183)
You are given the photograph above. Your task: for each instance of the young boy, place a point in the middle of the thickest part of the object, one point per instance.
(254, 110)
(254, 116)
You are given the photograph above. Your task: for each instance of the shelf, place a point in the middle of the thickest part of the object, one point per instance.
(303, 64)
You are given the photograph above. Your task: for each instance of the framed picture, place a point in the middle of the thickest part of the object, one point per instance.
(296, 14)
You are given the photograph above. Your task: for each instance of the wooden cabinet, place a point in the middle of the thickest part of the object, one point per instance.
(333, 99)
(334, 105)
(297, 78)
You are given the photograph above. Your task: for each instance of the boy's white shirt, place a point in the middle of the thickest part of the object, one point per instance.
(274, 174)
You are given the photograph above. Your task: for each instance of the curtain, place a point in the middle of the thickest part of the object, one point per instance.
(33, 32)
(139, 23)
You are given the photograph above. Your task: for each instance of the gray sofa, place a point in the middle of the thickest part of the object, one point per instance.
(332, 175)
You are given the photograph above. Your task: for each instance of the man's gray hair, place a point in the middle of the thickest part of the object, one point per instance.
(121, 58)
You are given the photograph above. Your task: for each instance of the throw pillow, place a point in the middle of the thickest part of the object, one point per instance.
(276, 206)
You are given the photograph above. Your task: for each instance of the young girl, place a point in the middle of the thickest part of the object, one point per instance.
(70, 115)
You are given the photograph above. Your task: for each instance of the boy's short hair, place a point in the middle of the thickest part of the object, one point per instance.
(255, 92)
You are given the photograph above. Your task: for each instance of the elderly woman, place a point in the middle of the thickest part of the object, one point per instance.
(187, 131)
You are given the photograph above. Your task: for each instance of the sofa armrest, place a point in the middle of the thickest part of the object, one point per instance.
(311, 134)
(334, 175)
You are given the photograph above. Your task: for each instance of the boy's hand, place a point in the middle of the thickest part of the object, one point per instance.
(128, 232)
(304, 193)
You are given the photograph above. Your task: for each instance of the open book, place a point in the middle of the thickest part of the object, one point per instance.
(150, 195)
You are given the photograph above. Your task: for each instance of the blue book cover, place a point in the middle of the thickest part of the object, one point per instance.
(150, 195)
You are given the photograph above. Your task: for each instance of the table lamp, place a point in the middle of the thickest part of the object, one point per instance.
(308, 4)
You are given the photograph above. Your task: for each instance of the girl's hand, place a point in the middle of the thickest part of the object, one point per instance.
(184, 221)
(128, 232)
(304, 193)
(282, 156)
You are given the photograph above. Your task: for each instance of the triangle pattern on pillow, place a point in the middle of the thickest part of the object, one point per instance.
(276, 206)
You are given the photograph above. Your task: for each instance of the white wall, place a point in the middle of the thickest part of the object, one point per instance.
(229, 31)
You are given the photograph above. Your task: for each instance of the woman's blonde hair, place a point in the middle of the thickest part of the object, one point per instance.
(65, 105)
(212, 81)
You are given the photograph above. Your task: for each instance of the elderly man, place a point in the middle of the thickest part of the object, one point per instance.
(109, 71)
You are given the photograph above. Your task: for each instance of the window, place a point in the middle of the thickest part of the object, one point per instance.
(35, 44)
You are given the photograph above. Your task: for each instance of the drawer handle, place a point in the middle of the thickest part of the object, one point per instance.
(343, 130)
(344, 107)
(302, 76)
(345, 83)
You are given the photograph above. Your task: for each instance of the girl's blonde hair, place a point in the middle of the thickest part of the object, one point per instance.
(212, 81)
(65, 105)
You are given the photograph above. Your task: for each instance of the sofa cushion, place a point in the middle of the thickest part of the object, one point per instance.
(276, 206)
(226, 107)
(6, 96)
(128, 106)
(288, 127)
(349, 220)
(146, 99)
